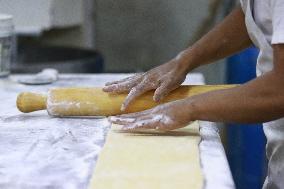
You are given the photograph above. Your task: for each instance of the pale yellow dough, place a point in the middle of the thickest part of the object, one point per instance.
(149, 160)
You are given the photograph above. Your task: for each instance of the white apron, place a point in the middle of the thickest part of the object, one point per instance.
(274, 130)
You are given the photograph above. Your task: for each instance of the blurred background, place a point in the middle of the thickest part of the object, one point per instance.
(114, 36)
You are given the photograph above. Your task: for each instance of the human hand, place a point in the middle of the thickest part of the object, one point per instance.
(163, 79)
(169, 116)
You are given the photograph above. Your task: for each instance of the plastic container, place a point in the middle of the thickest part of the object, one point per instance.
(6, 42)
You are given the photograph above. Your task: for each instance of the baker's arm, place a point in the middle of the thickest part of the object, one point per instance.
(259, 100)
(229, 37)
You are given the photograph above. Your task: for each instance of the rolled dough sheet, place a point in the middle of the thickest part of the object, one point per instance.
(149, 160)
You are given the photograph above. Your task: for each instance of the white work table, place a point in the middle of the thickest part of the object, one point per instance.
(38, 151)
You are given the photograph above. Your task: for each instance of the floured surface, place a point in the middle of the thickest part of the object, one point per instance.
(149, 160)
(41, 152)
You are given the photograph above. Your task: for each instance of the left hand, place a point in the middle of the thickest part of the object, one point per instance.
(163, 79)
(169, 116)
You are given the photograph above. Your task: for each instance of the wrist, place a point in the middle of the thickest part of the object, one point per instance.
(185, 60)
(192, 108)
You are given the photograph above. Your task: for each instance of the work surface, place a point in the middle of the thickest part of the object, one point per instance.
(38, 151)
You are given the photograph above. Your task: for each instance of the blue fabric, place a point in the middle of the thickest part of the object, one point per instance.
(245, 143)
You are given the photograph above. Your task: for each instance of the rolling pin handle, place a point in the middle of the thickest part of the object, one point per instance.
(30, 102)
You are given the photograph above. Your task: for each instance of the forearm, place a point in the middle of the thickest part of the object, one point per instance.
(227, 38)
(260, 100)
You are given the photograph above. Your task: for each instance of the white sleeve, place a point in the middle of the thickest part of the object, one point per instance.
(277, 7)
(241, 3)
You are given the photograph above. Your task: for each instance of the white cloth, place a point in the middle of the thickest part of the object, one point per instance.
(265, 25)
(269, 17)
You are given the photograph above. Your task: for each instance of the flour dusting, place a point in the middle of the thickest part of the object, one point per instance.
(164, 119)
(156, 119)
(115, 119)
(42, 152)
(53, 107)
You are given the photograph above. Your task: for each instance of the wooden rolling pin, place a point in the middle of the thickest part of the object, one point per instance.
(95, 102)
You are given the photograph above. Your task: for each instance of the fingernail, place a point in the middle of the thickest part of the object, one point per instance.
(111, 118)
(122, 107)
(157, 99)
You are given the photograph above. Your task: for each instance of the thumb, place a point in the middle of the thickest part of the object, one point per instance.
(161, 92)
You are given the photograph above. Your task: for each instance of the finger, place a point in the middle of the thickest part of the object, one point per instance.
(142, 124)
(120, 120)
(134, 93)
(115, 82)
(136, 114)
(123, 85)
(157, 122)
(163, 128)
(119, 88)
(162, 91)
(123, 80)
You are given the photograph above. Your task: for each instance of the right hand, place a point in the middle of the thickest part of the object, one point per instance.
(163, 79)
